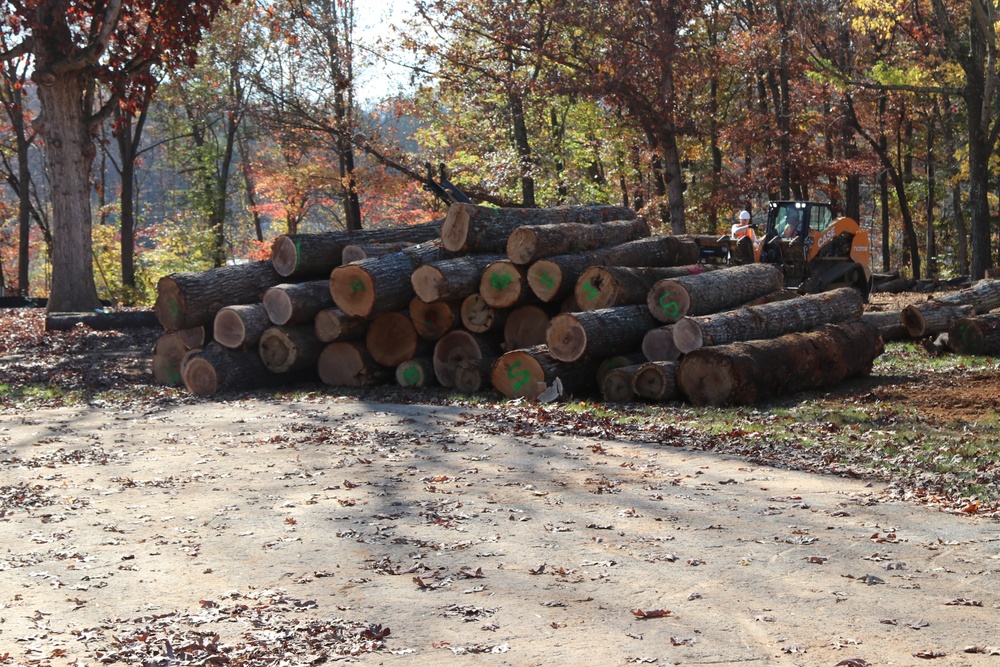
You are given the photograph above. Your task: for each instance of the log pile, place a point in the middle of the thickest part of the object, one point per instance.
(571, 300)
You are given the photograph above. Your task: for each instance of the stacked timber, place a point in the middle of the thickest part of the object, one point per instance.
(937, 315)
(533, 303)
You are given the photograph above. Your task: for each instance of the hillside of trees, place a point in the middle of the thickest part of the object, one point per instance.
(210, 128)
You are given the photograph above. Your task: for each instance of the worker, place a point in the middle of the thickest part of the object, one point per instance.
(792, 221)
(743, 227)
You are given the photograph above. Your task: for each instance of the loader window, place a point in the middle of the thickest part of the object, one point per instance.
(821, 217)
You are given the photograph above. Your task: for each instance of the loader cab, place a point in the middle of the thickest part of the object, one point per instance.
(796, 219)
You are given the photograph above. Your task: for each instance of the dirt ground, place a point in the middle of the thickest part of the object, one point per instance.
(294, 530)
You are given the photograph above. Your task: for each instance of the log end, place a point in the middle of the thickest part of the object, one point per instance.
(284, 255)
(913, 321)
(688, 336)
(478, 316)
(566, 338)
(525, 327)
(544, 279)
(352, 290)
(965, 336)
(169, 306)
(168, 352)
(453, 347)
(617, 386)
(521, 245)
(229, 328)
(658, 345)
(276, 350)
(518, 374)
(414, 373)
(656, 381)
(278, 305)
(502, 284)
(668, 301)
(708, 380)
(391, 339)
(596, 289)
(200, 377)
(346, 365)
(455, 228)
(427, 281)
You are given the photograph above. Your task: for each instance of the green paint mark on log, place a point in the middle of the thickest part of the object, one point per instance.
(357, 286)
(500, 281)
(411, 375)
(520, 378)
(547, 281)
(590, 290)
(671, 308)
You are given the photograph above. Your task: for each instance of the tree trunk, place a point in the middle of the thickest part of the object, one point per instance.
(527, 373)
(598, 333)
(616, 386)
(355, 252)
(479, 316)
(527, 244)
(433, 320)
(418, 372)
(609, 286)
(303, 255)
(289, 348)
(932, 317)
(392, 339)
(240, 326)
(472, 375)
(452, 278)
(504, 285)
(456, 346)
(381, 284)
(218, 368)
(555, 277)
(297, 303)
(69, 154)
(525, 327)
(333, 324)
(349, 365)
(769, 320)
(469, 228)
(976, 335)
(670, 300)
(658, 344)
(656, 381)
(192, 299)
(748, 373)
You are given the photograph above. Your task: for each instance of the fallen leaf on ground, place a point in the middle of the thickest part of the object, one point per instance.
(927, 655)
(965, 602)
(651, 613)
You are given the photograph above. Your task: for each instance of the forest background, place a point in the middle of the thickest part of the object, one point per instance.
(217, 132)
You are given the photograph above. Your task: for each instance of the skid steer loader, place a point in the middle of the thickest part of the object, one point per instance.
(816, 250)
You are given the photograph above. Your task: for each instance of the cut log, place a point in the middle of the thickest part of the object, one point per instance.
(348, 364)
(658, 344)
(452, 279)
(191, 299)
(527, 244)
(433, 320)
(656, 381)
(355, 252)
(188, 356)
(286, 349)
(976, 335)
(472, 375)
(168, 352)
(983, 296)
(933, 317)
(381, 284)
(670, 300)
(194, 337)
(504, 285)
(887, 322)
(610, 286)
(527, 373)
(392, 339)
(598, 333)
(616, 386)
(333, 324)
(525, 327)
(297, 303)
(469, 228)
(460, 345)
(480, 317)
(555, 277)
(218, 368)
(102, 320)
(304, 255)
(417, 372)
(769, 320)
(617, 361)
(748, 373)
(241, 326)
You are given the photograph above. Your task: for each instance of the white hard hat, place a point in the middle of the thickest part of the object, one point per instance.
(744, 215)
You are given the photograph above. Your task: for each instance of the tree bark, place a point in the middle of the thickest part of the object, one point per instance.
(192, 299)
(452, 278)
(528, 244)
(887, 322)
(748, 373)
(525, 327)
(670, 300)
(932, 317)
(240, 326)
(392, 339)
(289, 348)
(348, 364)
(297, 303)
(598, 333)
(355, 252)
(617, 361)
(555, 277)
(456, 346)
(480, 317)
(219, 368)
(433, 320)
(609, 286)
(333, 324)
(504, 285)
(469, 228)
(527, 373)
(381, 284)
(769, 320)
(976, 335)
(303, 255)
(656, 381)
(418, 372)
